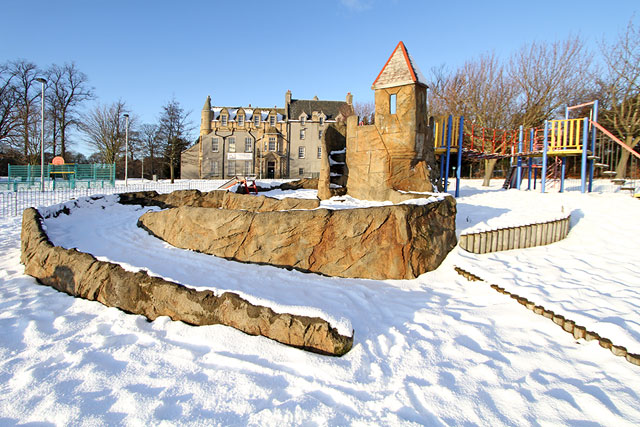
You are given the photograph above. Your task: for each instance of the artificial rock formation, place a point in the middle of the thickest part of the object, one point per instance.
(394, 156)
(216, 199)
(387, 242)
(333, 169)
(81, 275)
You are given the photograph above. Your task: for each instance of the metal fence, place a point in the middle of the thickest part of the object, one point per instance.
(12, 203)
(70, 175)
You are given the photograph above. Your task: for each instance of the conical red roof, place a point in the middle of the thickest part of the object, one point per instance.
(399, 70)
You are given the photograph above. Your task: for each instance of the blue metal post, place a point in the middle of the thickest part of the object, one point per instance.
(563, 167)
(531, 136)
(543, 175)
(460, 141)
(441, 167)
(449, 132)
(519, 159)
(585, 146)
(593, 144)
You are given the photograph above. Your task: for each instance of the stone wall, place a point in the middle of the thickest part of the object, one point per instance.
(81, 275)
(387, 242)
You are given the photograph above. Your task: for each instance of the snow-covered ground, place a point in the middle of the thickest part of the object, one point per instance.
(437, 350)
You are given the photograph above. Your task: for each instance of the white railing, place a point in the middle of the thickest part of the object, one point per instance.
(12, 203)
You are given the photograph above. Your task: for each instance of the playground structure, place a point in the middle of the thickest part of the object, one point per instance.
(538, 151)
(249, 184)
(66, 175)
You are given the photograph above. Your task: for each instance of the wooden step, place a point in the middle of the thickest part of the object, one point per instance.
(618, 181)
(593, 157)
(628, 188)
(610, 173)
(601, 165)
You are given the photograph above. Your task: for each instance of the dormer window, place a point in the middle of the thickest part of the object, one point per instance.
(240, 119)
(256, 119)
(223, 119)
(321, 120)
(272, 120)
(303, 120)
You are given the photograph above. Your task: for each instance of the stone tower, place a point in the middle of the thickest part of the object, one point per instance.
(205, 122)
(391, 158)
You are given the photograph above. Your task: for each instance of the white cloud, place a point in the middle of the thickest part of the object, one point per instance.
(357, 5)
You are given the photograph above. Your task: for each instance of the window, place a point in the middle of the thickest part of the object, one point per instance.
(248, 144)
(392, 103)
(232, 168)
(303, 120)
(214, 145)
(232, 144)
(301, 152)
(241, 120)
(272, 143)
(272, 120)
(302, 133)
(321, 120)
(320, 134)
(301, 171)
(214, 167)
(319, 152)
(223, 120)
(256, 119)
(247, 167)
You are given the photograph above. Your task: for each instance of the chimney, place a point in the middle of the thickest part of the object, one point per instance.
(349, 98)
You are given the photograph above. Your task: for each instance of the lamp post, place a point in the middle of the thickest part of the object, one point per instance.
(43, 81)
(126, 148)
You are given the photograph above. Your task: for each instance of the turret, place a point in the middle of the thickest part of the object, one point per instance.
(205, 124)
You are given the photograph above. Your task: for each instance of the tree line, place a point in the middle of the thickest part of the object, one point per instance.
(539, 80)
(69, 118)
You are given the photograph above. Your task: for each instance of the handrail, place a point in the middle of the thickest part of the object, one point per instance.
(610, 135)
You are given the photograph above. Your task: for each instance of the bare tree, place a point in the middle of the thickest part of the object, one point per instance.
(174, 129)
(620, 89)
(68, 89)
(27, 97)
(104, 128)
(480, 90)
(365, 112)
(549, 77)
(8, 101)
(150, 143)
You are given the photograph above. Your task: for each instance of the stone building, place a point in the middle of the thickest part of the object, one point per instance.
(238, 141)
(308, 120)
(263, 142)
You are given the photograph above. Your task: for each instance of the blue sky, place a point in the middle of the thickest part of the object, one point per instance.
(251, 52)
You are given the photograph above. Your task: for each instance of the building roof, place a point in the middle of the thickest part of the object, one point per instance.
(399, 70)
(249, 111)
(331, 109)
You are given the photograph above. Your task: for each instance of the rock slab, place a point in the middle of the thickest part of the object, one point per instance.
(387, 242)
(216, 199)
(80, 274)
